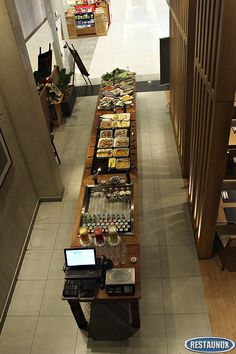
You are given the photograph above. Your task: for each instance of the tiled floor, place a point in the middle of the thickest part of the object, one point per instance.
(172, 306)
(132, 40)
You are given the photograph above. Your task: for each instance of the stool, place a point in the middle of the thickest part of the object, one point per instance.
(54, 148)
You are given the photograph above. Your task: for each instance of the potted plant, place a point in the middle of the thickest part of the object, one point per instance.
(68, 90)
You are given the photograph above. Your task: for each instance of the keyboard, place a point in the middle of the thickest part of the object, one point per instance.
(95, 272)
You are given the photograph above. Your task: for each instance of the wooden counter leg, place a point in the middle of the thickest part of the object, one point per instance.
(78, 314)
(134, 308)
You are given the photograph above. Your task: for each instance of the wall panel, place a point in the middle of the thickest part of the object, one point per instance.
(182, 35)
(213, 95)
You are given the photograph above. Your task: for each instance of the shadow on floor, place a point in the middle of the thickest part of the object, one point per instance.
(110, 322)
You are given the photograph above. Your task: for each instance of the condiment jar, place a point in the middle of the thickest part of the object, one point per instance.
(83, 232)
(113, 235)
(98, 233)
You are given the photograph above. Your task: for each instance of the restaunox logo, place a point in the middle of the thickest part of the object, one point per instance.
(209, 345)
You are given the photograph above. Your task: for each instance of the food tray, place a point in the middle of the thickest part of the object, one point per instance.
(106, 124)
(105, 143)
(104, 153)
(121, 142)
(121, 124)
(122, 133)
(121, 152)
(106, 134)
(123, 164)
(124, 116)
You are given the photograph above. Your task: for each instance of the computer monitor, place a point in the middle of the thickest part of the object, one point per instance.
(80, 257)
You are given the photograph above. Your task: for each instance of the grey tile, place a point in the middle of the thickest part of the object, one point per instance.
(49, 212)
(150, 338)
(170, 192)
(147, 209)
(17, 335)
(183, 295)
(149, 233)
(67, 157)
(150, 259)
(179, 261)
(52, 304)
(55, 335)
(68, 212)
(35, 265)
(100, 346)
(151, 302)
(72, 190)
(56, 266)
(65, 171)
(81, 343)
(146, 187)
(174, 226)
(64, 236)
(26, 290)
(77, 171)
(43, 236)
(179, 328)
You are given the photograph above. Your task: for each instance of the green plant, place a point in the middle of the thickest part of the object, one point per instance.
(63, 80)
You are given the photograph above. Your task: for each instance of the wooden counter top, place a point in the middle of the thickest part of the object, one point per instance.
(132, 241)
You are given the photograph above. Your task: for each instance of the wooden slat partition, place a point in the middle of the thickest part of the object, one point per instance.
(182, 36)
(213, 100)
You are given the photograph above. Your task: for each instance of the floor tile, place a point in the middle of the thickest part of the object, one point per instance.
(183, 295)
(169, 192)
(25, 290)
(151, 302)
(68, 212)
(64, 236)
(35, 265)
(81, 343)
(72, 190)
(49, 212)
(151, 338)
(179, 328)
(151, 266)
(55, 335)
(43, 236)
(146, 187)
(179, 261)
(174, 226)
(65, 171)
(52, 304)
(77, 172)
(17, 334)
(67, 157)
(56, 266)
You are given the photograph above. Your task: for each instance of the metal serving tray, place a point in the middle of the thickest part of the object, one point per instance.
(95, 202)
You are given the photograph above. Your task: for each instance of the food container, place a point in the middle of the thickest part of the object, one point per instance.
(84, 236)
(105, 143)
(113, 235)
(121, 152)
(121, 133)
(121, 142)
(124, 116)
(106, 133)
(123, 164)
(104, 153)
(123, 124)
(98, 233)
(106, 124)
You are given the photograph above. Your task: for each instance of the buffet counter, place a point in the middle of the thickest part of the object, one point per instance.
(109, 189)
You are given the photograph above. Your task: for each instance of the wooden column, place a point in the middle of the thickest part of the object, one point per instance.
(213, 98)
(182, 36)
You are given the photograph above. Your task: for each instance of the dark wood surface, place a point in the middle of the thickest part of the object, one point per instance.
(132, 241)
